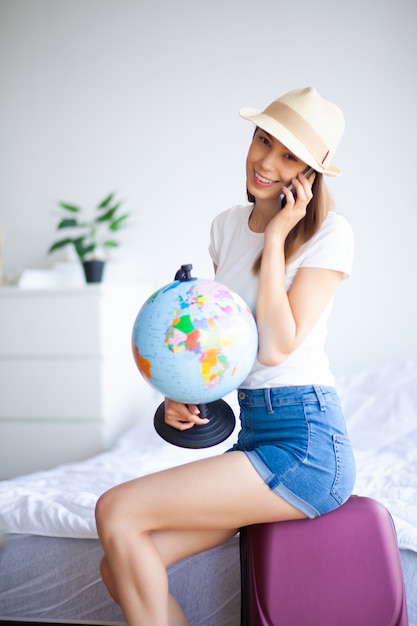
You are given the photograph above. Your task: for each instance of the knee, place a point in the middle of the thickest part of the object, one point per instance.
(109, 516)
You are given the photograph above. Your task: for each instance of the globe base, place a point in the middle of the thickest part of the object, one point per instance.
(220, 427)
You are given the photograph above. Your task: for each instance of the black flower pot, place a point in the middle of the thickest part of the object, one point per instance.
(93, 271)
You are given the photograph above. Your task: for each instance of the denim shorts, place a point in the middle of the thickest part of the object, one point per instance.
(296, 439)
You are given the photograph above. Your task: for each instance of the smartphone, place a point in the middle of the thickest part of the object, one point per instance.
(282, 200)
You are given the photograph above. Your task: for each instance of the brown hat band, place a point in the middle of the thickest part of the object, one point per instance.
(301, 129)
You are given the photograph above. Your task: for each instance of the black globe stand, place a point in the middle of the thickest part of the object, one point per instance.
(220, 426)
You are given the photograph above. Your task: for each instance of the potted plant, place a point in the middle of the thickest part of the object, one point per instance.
(93, 235)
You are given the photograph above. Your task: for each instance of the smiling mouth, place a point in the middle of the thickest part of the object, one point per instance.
(264, 181)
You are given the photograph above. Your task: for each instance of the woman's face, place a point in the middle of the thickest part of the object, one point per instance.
(270, 166)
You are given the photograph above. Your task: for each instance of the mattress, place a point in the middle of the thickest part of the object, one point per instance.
(53, 579)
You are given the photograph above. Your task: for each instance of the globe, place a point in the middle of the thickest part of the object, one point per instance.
(194, 340)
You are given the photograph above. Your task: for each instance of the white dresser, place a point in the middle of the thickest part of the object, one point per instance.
(68, 382)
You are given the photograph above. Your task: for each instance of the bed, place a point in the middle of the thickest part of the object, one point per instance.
(50, 555)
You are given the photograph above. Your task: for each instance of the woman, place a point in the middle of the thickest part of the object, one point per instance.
(292, 459)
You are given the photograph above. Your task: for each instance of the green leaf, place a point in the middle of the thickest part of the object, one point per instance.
(70, 207)
(81, 249)
(108, 215)
(68, 222)
(105, 203)
(60, 244)
(117, 223)
(110, 244)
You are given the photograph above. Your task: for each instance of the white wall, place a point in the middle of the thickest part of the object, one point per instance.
(143, 98)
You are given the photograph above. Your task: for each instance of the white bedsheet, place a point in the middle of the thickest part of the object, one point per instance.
(381, 412)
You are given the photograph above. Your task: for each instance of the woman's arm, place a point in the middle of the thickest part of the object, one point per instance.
(285, 319)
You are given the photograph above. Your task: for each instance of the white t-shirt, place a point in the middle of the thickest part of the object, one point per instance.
(234, 248)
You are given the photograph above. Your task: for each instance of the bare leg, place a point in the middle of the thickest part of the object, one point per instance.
(148, 523)
(175, 614)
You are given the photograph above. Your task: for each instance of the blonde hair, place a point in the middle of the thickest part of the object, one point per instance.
(317, 210)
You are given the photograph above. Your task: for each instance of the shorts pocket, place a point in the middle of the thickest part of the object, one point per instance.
(345, 469)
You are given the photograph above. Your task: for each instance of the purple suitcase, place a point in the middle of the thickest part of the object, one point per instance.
(340, 569)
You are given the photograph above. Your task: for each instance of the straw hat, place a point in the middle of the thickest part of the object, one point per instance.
(306, 124)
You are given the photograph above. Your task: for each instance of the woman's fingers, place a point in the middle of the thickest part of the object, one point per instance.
(303, 192)
(182, 416)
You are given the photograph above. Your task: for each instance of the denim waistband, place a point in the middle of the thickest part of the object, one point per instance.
(288, 395)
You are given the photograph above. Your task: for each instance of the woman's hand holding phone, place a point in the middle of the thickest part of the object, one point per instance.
(282, 199)
(295, 207)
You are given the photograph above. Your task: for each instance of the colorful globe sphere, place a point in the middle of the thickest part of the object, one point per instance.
(195, 340)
